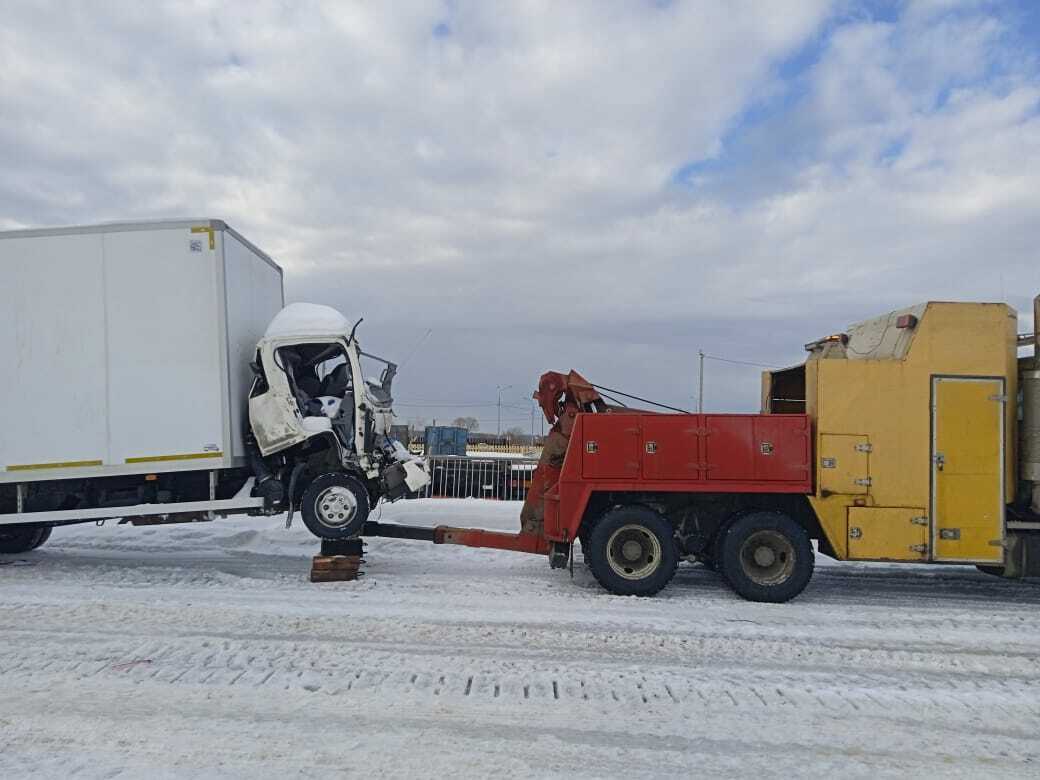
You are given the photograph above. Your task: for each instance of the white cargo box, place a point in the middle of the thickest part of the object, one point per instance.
(126, 347)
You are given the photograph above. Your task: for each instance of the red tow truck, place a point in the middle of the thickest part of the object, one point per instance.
(641, 490)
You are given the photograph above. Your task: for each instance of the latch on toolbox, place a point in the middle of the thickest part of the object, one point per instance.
(950, 533)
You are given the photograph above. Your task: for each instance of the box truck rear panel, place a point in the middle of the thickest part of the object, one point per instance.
(128, 347)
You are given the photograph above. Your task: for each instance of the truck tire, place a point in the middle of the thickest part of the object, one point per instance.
(766, 556)
(43, 536)
(22, 538)
(335, 506)
(632, 551)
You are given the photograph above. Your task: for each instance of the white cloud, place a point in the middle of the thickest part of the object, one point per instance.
(507, 179)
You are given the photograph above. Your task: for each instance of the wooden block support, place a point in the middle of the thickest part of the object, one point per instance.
(335, 568)
(334, 576)
(339, 561)
(336, 562)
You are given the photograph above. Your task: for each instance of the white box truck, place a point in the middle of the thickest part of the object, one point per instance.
(151, 369)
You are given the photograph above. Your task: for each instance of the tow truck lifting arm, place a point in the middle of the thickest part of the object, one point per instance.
(467, 537)
(561, 397)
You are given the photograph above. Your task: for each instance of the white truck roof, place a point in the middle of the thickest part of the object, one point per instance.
(124, 226)
(306, 319)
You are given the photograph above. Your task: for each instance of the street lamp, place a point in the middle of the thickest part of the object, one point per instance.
(500, 389)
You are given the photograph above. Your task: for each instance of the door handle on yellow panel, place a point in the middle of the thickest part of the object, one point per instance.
(940, 460)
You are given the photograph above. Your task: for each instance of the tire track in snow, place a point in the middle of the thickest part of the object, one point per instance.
(910, 671)
(509, 680)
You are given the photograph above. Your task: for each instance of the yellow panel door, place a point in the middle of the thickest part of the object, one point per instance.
(967, 469)
(887, 533)
(843, 465)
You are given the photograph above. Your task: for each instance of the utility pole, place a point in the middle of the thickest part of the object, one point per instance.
(700, 383)
(500, 389)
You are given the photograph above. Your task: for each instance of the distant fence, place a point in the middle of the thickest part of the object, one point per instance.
(474, 450)
(505, 479)
(525, 450)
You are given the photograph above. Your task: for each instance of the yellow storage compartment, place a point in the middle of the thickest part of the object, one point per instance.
(888, 533)
(844, 464)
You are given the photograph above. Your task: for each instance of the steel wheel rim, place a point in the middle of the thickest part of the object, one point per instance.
(336, 506)
(633, 552)
(767, 557)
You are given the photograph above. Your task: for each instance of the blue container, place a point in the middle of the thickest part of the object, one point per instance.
(445, 440)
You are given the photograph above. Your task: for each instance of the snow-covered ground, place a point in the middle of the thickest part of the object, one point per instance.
(202, 650)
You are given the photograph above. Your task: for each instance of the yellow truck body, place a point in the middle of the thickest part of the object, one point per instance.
(915, 431)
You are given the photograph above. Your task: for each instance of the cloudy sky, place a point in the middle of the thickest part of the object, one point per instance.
(506, 188)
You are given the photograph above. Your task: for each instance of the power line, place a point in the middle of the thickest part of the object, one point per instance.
(741, 362)
(491, 422)
(415, 405)
(443, 405)
(415, 349)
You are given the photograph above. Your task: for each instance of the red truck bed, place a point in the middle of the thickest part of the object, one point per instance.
(692, 453)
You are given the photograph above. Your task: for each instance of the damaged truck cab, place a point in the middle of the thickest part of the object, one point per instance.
(319, 430)
(212, 398)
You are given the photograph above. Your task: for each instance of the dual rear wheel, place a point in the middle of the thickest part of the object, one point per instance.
(16, 539)
(764, 556)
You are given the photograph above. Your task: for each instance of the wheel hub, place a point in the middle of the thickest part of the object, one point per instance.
(633, 552)
(767, 557)
(336, 506)
(764, 556)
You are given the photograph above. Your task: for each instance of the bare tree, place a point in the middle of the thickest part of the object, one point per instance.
(469, 423)
(515, 434)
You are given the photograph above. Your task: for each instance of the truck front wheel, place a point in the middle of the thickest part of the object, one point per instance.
(766, 556)
(335, 506)
(632, 552)
(22, 538)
